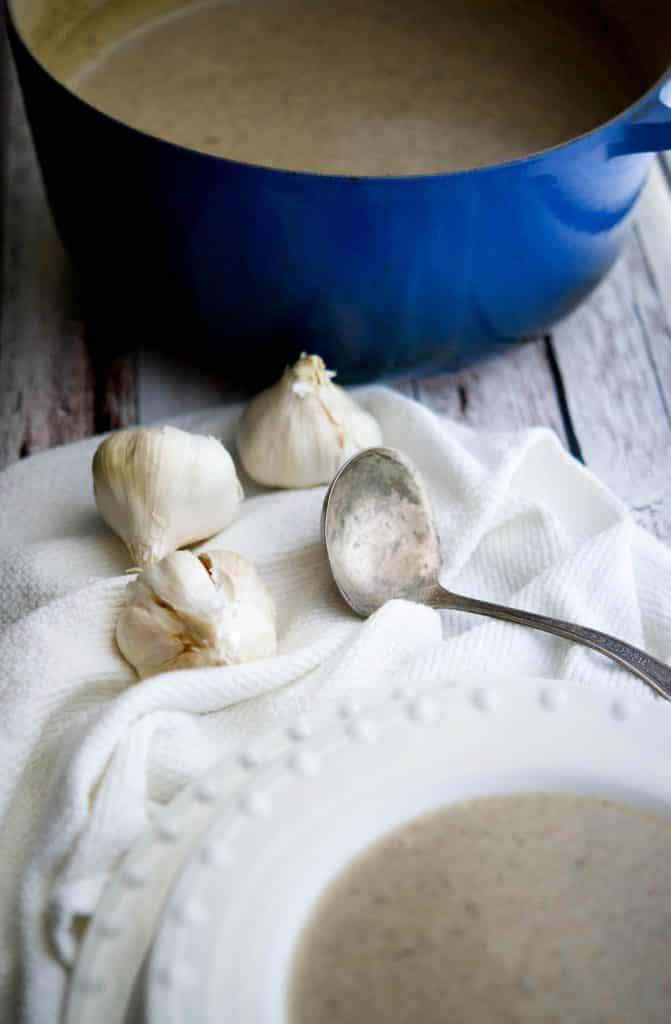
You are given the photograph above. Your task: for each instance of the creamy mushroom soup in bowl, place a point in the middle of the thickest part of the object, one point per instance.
(526, 908)
(490, 849)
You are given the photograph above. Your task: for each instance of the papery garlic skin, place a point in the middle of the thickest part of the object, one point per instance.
(299, 432)
(160, 488)
(194, 611)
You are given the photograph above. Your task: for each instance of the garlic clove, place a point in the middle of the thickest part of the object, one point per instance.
(149, 636)
(192, 611)
(250, 616)
(299, 432)
(161, 488)
(180, 583)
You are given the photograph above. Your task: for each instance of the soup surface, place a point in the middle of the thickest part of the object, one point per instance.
(371, 87)
(526, 908)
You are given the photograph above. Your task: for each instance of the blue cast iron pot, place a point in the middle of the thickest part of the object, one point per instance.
(379, 275)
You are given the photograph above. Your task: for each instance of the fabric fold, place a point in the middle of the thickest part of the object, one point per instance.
(89, 753)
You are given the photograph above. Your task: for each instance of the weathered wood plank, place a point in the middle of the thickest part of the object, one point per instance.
(665, 159)
(53, 389)
(512, 391)
(4, 131)
(46, 392)
(652, 311)
(653, 217)
(612, 354)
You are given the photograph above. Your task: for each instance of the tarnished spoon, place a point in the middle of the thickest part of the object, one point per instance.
(382, 543)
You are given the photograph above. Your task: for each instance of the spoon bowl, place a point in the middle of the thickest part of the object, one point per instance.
(379, 532)
(382, 543)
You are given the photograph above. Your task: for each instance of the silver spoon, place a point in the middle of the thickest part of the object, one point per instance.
(382, 543)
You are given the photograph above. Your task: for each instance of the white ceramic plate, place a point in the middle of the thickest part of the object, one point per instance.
(264, 834)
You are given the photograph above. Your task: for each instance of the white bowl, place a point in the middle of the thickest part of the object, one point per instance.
(256, 842)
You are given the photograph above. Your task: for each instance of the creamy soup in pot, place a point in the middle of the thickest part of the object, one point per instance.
(370, 87)
(516, 909)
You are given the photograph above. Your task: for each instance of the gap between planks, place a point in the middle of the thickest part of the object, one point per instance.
(616, 353)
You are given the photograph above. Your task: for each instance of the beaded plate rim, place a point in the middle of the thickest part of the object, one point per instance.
(188, 836)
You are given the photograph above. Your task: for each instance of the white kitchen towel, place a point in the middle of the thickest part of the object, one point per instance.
(89, 754)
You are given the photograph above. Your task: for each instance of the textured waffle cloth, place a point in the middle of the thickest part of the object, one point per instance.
(89, 754)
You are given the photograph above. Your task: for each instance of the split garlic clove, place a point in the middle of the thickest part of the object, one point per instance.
(193, 611)
(161, 488)
(299, 432)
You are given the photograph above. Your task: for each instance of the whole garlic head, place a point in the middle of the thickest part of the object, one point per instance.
(161, 488)
(299, 432)
(192, 611)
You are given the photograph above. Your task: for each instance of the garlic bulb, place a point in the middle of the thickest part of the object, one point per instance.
(191, 611)
(161, 488)
(299, 432)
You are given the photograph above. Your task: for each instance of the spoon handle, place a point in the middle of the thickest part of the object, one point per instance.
(653, 672)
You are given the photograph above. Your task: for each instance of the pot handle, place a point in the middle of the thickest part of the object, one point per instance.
(650, 130)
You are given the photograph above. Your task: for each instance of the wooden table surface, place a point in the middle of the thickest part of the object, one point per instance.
(601, 379)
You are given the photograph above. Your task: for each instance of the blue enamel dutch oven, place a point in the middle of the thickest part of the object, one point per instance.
(381, 276)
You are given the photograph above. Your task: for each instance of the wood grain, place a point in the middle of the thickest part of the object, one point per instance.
(4, 135)
(654, 235)
(53, 388)
(46, 384)
(614, 353)
(510, 392)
